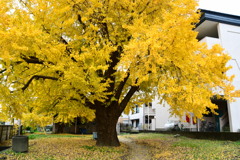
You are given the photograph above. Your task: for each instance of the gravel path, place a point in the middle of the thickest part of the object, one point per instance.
(137, 151)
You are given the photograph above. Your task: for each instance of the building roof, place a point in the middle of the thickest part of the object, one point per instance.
(209, 21)
(219, 17)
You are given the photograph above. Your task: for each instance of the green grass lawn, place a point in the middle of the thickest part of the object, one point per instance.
(159, 146)
(37, 136)
(164, 146)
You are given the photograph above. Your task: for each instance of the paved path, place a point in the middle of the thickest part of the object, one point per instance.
(137, 151)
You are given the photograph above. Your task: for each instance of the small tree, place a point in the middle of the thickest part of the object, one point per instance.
(95, 58)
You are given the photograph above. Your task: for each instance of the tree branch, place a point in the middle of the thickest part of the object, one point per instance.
(37, 77)
(32, 59)
(3, 70)
(104, 31)
(115, 56)
(87, 102)
(144, 8)
(120, 87)
(54, 104)
(127, 98)
(81, 22)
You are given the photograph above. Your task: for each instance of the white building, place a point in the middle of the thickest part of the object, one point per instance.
(143, 117)
(213, 28)
(224, 29)
(159, 118)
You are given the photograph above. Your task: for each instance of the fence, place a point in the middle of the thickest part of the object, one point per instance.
(6, 132)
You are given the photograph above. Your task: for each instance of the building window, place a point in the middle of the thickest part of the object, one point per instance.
(148, 104)
(146, 120)
(136, 109)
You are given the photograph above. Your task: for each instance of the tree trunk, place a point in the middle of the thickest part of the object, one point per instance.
(106, 119)
(58, 128)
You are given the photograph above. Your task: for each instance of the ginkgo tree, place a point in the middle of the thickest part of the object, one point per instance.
(97, 58)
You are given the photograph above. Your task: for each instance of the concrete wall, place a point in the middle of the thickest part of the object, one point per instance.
(229, 39)
(234, 115)
(163, 115)
(229, 36)
(137, 116)
(210, 41)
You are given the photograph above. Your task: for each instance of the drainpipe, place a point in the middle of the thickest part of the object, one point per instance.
(148, 117)
(143, 125)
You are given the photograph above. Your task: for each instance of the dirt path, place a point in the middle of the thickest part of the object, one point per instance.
(137, 151)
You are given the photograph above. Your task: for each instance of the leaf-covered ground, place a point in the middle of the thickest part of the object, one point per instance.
(64, 147)
(168, 147)
(137, 146)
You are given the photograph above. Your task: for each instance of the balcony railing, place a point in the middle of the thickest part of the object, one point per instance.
(149, 111)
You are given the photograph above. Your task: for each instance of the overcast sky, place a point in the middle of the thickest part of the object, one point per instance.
(224, 6)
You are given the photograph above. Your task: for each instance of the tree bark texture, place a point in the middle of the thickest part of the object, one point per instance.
(106, 118)
(58, 128)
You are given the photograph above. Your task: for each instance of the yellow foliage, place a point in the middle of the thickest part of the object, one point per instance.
(65, 58)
